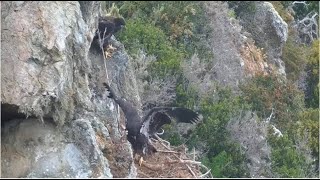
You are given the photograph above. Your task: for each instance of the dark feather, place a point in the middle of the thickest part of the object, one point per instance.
(107, 26)
(159, 116)
(140, 130)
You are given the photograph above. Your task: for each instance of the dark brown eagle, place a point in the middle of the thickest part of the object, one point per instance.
(108, 25)
(141, 129)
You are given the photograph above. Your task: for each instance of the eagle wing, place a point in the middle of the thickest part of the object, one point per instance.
(159, 116)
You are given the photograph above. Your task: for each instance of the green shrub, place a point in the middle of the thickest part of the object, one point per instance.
(242, 7)
(267, 92)
(302, 10)
(141, 35)
(294, 57)
(223, 156)
(287, 162)
(308, 128)
(183, 22)
(280, 8)
(312, 94)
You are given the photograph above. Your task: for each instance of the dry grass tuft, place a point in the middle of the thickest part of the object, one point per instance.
(255, 60)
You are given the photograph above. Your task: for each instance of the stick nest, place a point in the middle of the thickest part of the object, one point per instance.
(171, 162)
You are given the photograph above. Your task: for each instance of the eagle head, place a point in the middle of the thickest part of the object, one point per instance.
(119, 23)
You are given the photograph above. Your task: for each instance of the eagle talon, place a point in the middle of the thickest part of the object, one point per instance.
(107, 54)
(111, 48)
(141, 161)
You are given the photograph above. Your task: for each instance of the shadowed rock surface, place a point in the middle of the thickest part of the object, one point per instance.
(57, 121)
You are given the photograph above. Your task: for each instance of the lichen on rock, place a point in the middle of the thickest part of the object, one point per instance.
(57, 121)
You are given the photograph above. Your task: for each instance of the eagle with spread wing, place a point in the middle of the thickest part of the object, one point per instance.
(141, 129)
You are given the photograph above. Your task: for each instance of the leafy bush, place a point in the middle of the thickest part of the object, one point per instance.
(294, 57)
(287, 162)
(141, 35)
(288, 158)
(242, 7)
(301, 10)
(267, 92)
(224, 156)
(312, 94)
(181, 21)
(280, 8)
(309, 127)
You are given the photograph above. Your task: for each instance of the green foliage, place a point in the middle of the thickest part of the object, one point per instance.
(242, 7)
(312, 97)
(163, 14)
(232, 14)
(294, 57)
(267, 92)
(287, 162)
(181, 21)
(302, 10)
(285, 15)
(219, 162)
(171, 135)
(141, 35)
(308, 127)
(186, 96)
(224, 156)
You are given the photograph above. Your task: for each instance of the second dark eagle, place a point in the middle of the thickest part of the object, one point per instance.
(108, 25)
(141, 129)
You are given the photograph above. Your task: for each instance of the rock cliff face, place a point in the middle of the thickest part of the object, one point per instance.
(243, 48)
(56, 120)
(268, 30)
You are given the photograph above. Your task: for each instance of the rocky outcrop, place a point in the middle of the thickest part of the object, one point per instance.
(56, 120)
(236, 57)
(268, 30)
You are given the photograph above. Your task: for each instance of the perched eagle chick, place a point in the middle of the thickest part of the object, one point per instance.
(141, 129)
(108, 25)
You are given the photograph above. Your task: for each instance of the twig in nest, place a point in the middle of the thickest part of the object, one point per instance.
(161, 140)
(207, 169)
(144, 174)
(168, 152)
(203, 175)
(153, 166)
(184, 161)
(194, 154)
(164, 145)
(194, 175)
